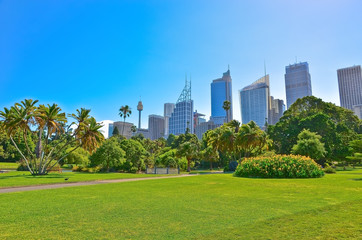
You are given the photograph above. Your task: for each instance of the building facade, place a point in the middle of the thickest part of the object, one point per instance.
(276, 111)
(255, 103)
(107, 128)
(203, 127)
(127, 130)
(181, 119)
(167, 111)
(357, 109)
(297, 82)
(350, 86)
(221, 90)
(156, 126)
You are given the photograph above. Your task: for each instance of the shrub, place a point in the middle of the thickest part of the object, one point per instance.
(329, 169)
(279, 166)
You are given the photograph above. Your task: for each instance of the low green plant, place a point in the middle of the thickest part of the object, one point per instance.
(279, 166)
(329, 169)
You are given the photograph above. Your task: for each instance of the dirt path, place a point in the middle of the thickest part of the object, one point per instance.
(76, 184)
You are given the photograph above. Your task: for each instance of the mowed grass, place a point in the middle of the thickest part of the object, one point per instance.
(215, 206)
(15, 179)
(8, 166)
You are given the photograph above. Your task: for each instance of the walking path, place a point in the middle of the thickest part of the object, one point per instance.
(76, 184)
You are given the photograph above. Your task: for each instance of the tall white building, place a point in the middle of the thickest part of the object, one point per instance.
(107, 128)
(168, 110)
(350, 86)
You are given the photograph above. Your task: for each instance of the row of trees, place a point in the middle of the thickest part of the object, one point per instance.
(42, 137)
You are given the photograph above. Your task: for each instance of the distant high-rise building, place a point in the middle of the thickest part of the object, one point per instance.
(357, 109)
(198, 118)
(276, 111)
(221, 90)
(202, 127)
(127, 129)
(107, 128)
(255, 102)
(156, 126)
(297, 82)
(168, 110)
(350, 86)
(144, 132)
(181, 119)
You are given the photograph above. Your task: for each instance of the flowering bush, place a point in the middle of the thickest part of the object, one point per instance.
(279, 166)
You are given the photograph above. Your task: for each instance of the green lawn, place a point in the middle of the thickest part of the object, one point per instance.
(13, 179)
(216, 206)
(8, 166)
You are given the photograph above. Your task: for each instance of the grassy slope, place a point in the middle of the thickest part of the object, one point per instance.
(200, 207)
(13, 179)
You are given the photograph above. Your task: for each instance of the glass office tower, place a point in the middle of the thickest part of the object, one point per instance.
(297, 82)
(181, 119)
(221, 90)
(255, 102)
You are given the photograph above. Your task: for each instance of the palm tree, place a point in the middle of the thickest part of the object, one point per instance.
(211, 155)
(189, 150)
(124, 111)
(48, 123)
(52, 120)
(226, 106)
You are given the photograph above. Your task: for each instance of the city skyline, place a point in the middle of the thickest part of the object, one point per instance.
(140, 49)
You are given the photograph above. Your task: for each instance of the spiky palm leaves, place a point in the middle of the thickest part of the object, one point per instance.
(45, 122)
(124, 112)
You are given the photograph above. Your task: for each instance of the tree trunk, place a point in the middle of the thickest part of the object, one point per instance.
(188, 165)
(124, 122)
(210, 165)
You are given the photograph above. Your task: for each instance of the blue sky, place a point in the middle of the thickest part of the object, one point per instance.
(105, 54)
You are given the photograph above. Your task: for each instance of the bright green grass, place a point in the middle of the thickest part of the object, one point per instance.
(216, 206)
(8, 166)
(13, 179)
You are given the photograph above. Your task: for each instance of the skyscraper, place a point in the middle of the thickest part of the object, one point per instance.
(182, 117)
(255, 102)
(221, 90)
(168, 110)
(156, 126)
(297, 82)
(350, 86)
(276, 111)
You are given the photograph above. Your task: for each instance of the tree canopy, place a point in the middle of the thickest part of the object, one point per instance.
(336, 125)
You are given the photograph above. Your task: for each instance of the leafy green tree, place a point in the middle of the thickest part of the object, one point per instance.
(190, 150)
(124, 112)
(211, 155)
(42, 123)
(108, 155)
(115, 131)
(309, 144)
(170, 140)
(135, 154)
(78, 157)
(337, 126)
(356, 149)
